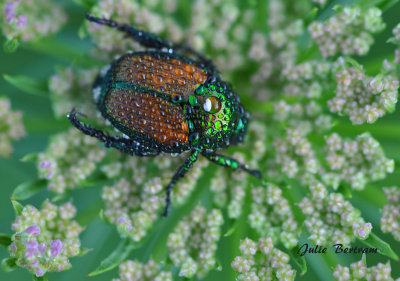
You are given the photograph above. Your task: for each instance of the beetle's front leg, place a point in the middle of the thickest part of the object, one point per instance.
(231, 163)
(180, 173)
(144, 38)
(150, 40)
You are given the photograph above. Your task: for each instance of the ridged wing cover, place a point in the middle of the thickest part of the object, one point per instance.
(161, 73)
(148, 114)
(134, 96)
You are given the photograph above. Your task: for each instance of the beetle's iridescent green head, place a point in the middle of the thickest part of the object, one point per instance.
(218, 112)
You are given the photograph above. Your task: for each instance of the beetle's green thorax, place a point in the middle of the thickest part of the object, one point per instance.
(215, 113)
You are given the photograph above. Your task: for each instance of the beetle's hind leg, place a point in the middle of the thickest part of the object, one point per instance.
(179, 174)
(124, 145)
(151, 40)
(231, 163)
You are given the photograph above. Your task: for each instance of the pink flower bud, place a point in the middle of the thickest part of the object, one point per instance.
(33, 230)
(56, 248)
(42, 247)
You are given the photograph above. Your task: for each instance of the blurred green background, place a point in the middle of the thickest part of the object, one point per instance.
(103, 238)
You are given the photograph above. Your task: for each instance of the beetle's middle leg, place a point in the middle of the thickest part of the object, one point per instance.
(231, 163)
(179, 174)
(124, 145)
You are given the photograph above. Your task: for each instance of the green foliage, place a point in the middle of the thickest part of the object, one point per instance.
(120, 253)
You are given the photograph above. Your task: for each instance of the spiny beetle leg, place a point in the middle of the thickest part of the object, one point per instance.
(179, 174)
(231, 163)
(150, 40)
(146, 39)
(122, 144)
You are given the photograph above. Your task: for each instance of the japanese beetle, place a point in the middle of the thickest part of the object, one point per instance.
(168, 99)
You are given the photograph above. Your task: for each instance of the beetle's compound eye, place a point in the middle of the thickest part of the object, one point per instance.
(212, 105)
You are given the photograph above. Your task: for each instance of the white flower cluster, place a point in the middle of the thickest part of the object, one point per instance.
(272, 217)
(133, 205)
(232, 188)
(261, 261)
(63, 164)
(135, 270)
(355, 162)
(237, 189)
(320, 2)
(219, 187)
(227, 39)
(45, 239)
(294, 154)
(137, 199)
(306, 79)
(348, 31)
(272, 53)
(185, 186)
(390, 221)
(308, 116)
(30, 20)
(193, 242)
(11, 127)
(330, 219)
(70, 88)
(360, 271)
(396, 33)
(256, 141)
(364, 98)
(230, 191)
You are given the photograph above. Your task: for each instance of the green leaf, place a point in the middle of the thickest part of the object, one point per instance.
(58, 197)
(88, 4)
(386, 4)
(345, 189)
(311, 16)
(337, 8)
(84, 251)
(364, 259)
(28, 85)
(374, 241)
(103, 217)
(94, 180)
(300, 261)
(232, 229)
(89, 213)
(30, 157)
(17, 207)
(353, 63)
(390, 108)
(116, 257)
(5, 239)
(11, 45)
(218, 265)
(68, 52)
(28, 189)
(42, 278)
(393, 40)
(82, 31)
(8, 264)
(385, 131)
(308, 53)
